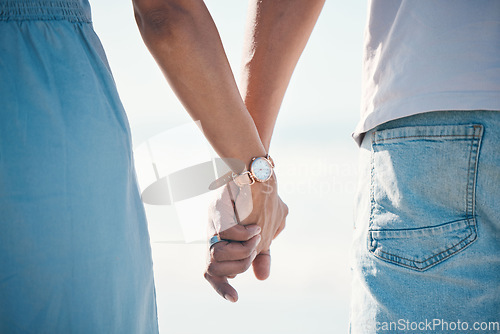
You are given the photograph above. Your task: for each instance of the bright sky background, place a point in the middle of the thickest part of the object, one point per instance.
(308, 291)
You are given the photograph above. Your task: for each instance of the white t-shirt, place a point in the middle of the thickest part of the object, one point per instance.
(429, 55)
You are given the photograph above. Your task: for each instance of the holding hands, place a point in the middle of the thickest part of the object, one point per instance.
(238, 122)
(245, 219)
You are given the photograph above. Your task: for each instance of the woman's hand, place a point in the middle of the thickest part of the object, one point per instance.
(237, 216)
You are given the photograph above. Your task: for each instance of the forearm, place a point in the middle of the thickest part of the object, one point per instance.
(277, 32)
(184, 41)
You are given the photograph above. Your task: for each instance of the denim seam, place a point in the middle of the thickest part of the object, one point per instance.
(372, 196)
(467, 188)
(424, 136)
(473, 161)
(475, 138)
(468, 133)
(462, 244)
(403, 258)
(469, 191)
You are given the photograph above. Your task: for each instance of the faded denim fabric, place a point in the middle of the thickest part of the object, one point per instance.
(426, 252)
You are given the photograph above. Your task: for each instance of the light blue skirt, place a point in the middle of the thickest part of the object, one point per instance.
(75, 255)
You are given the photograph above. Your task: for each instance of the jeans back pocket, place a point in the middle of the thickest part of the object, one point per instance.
(423, 193)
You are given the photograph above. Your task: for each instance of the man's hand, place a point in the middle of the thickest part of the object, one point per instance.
(235, 216)
(269, 212)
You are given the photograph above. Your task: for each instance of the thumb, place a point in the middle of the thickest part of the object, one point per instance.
(262, 265)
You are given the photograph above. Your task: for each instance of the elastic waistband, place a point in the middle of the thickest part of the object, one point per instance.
(43, 10)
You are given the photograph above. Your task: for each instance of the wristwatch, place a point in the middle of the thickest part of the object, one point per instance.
(261, 170)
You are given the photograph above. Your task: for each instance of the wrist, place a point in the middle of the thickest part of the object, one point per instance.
(261, 170)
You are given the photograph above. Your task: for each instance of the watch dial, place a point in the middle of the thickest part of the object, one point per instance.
(261, 169)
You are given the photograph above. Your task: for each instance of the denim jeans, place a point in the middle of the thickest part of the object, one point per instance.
(426, 251)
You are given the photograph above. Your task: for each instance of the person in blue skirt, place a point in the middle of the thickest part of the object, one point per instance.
(75, 255)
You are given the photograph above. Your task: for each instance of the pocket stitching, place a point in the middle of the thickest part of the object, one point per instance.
(473, 232)
(471, 182)
(475, 138)
(424, 136)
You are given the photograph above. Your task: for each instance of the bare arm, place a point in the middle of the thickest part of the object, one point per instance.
(277, 32)
(183, 39)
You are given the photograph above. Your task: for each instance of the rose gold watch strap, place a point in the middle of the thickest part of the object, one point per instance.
(244, 178)
(268, 157)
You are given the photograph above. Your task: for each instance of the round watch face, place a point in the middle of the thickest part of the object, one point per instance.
(261, 169)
